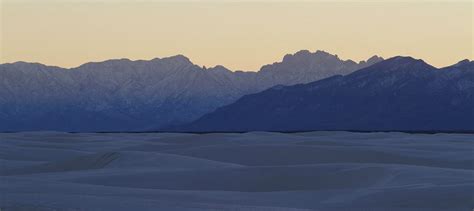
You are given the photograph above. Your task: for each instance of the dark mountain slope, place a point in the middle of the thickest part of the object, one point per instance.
(400, 93)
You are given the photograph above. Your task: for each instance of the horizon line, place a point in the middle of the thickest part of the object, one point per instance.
(210, 67)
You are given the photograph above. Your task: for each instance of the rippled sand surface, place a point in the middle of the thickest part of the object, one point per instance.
(248, 171)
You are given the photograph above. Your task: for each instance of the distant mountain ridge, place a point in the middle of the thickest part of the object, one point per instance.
(125, 95)
(400, 93)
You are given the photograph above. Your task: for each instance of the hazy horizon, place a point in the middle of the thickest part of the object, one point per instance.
(240, 35)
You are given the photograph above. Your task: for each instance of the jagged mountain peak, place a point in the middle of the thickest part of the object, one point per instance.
(219, 68)
(306, 55)
(323, 56)
(305, 66)
(374, 59)
(178, 59)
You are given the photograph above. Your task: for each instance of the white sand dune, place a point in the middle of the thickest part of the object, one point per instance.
(249, 171)
(119, 160)
(270, 155)
(37, 154)
(283, 178)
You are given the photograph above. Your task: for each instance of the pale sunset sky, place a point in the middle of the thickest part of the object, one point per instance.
(241, 35)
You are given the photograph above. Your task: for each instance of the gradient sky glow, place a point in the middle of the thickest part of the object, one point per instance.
(237, 34)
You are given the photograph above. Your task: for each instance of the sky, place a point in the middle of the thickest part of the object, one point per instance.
(241, 35)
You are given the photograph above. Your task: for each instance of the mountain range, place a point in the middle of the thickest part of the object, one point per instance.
(125, 95)
(400, 93)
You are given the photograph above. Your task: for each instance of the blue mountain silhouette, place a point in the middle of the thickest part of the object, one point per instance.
(400, 93)
(125, 95)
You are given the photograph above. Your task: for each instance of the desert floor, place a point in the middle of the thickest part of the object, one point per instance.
(249, 171)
